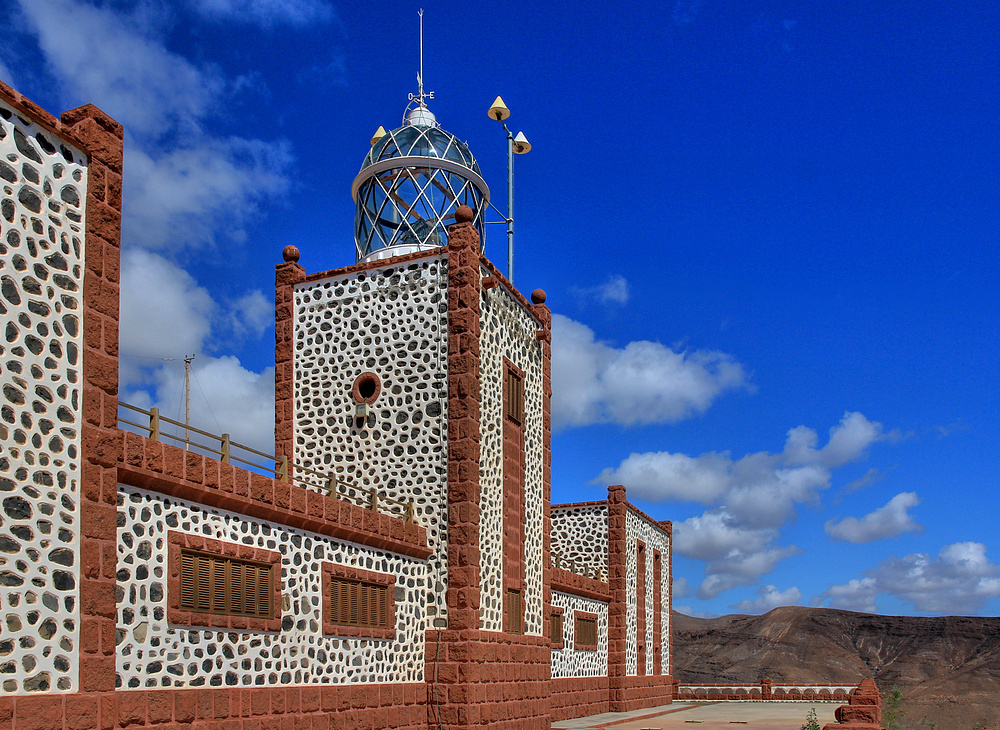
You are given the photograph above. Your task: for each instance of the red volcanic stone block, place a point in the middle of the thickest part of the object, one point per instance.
(81, 711)
(194, 467)
(261, 488)
(97, 673)
(173, 461)
(310, 699)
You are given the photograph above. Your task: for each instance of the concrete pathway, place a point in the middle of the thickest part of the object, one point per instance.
(708, 716)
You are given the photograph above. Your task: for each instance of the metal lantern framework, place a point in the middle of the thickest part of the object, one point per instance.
(409, 186)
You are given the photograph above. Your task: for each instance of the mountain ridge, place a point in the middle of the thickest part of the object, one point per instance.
(948, 667)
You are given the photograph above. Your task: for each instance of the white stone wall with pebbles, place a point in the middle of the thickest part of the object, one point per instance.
(391, 321)
(507, 330)
(580, 538)
(152, 653)
(638, 528)
(43, 186)
(571, 662)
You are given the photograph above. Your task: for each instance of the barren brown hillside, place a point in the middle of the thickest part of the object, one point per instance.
(948, 667)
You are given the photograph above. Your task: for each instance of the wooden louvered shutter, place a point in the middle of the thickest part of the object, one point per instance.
(239, 598)
(216, 584)
(265, 578)
(358, 603)
(189, 580)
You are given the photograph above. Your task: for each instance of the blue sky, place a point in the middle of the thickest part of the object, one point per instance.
(768, 231)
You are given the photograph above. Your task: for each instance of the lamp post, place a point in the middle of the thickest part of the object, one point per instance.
(516, 145)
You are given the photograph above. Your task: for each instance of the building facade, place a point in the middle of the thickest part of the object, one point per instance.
(400, 566)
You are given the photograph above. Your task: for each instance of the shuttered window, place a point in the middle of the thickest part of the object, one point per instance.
(216, 584)
(514, 395)
(515, 612)
(586, 632)
(358, 603)
(556, 628)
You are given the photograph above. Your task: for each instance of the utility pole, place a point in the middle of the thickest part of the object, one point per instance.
(187, 401)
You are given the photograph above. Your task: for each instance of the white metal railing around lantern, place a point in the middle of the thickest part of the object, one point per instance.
(284, 470)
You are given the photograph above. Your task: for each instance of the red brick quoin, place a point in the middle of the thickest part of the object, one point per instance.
(178, 616)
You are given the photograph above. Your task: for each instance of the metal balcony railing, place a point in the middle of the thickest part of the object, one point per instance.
(279, 467)
(578, 568)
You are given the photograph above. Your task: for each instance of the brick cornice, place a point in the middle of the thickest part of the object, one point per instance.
(368, 265)
(572, 505)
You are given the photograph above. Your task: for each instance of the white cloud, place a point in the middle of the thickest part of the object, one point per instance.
(164, 313)
(680, 588)
(855, 595)
(750, 498)
(645, 382)
(960, 580)
(871, 476)
(741, 567)
(252, 313)
(266, 13)
(190, 195)
(694, 613)
(615, 290)
(887, 521)
(663, 475)
(183, 185)
(108, 58)
(225, 398)
(770, 597)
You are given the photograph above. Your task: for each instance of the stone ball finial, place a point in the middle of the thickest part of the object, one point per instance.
(538, 296)
(463, 214)
(290, 254)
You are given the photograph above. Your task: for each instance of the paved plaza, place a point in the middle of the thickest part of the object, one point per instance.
(708, 716)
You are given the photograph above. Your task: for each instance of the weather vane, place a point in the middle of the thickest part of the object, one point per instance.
(420, 95)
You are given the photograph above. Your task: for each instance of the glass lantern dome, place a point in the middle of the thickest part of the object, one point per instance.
(409, 186)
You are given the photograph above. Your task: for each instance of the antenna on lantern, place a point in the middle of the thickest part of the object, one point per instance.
(420, 95)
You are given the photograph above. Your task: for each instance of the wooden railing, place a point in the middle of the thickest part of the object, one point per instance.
(578, 568)
(279, 467)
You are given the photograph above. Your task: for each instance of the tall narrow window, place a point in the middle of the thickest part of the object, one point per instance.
(513, 498)
(221, 585)
(657, 613)
(640, 607)
(514, 396)
(585, 631)
(515, 612)
(556, 629)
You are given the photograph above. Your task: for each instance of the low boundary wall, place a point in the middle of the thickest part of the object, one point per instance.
(764, 690)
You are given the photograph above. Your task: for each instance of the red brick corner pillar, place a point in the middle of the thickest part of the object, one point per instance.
(101, 137)
(765, 688)
(452, 672)
(544, 315)
(286, 276)
(463, 423)
(617, 608)
(668, 526)
(863, 711)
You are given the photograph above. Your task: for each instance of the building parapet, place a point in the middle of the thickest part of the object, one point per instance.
(765, 690)
(580, 585)
(169, 470)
